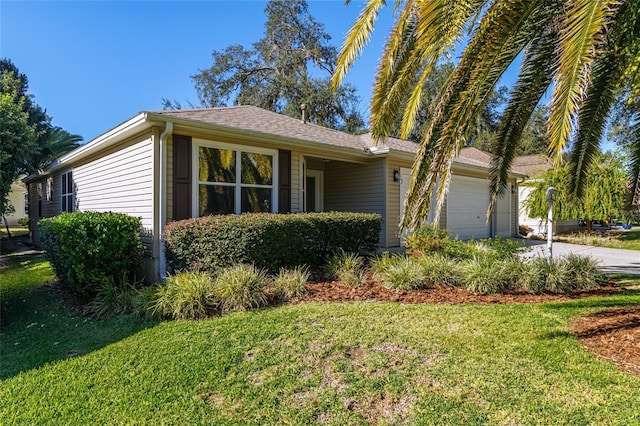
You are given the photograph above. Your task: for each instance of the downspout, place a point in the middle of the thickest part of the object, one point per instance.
(517, 213)
(162, 197)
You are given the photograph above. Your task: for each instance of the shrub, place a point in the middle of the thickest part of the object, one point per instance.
(487, 275)
(438, 269)
(461, 250)
(289, 284)
(562, 275)
(583, 271)
(114, 297)
(399, 272)
(503, 248)
(426, 239)
(348, 268)
(23, 221)
(241, 287)
(144, 301)
(91, 249)
(270, 241)
(186, 295)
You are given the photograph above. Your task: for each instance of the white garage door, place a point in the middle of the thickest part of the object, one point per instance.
(467, 205)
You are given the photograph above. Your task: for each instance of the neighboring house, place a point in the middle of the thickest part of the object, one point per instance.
(18, 199)
(533, 166)
(171, 165)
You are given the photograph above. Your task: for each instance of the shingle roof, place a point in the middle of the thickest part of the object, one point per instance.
(251, 118)
(532, 165)
(258, 120)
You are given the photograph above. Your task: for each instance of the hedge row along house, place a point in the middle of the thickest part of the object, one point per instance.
(176, 164)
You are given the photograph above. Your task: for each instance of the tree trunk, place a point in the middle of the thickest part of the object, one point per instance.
(589, 225)
(6, 225)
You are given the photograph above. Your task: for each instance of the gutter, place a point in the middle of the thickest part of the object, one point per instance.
(517, 213)
(162, 196)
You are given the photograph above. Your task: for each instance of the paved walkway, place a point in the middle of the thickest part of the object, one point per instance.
(612, 261)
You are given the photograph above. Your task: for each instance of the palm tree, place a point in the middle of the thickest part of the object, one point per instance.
(53, 143)
(586, 50)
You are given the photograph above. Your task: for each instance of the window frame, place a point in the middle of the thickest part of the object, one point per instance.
(237, 185)
(65, 195)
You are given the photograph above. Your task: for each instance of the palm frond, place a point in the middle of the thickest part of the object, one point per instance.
(633, 190)
(423, 33)
(356, 40)
(592, 121)
(581, 38)
(510, 25)
(533, 80)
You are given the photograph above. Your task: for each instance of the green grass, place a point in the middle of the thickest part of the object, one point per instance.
(340, 363)
(16, 231)
(35, 327)
(628, 240)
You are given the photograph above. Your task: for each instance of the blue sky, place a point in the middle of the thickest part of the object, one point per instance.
(93, 64)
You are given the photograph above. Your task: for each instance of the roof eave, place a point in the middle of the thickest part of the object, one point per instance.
(132, 126)
(332, 152)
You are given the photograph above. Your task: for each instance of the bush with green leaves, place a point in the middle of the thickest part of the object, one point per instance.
(241, 287)
(270, 241)
(290, 283)
(349, 268)
(115, 297)
(583, 271)
(398, 272)
(438, 269)
(487, 275)
(426, 239)
(185, 295)
(91, 249)
(429, 240)
(560, 275)
(503, 248)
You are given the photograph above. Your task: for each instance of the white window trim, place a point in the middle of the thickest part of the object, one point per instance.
(197, 143)
(64, 194)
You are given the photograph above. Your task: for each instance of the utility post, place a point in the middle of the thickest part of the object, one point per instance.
(551, 197)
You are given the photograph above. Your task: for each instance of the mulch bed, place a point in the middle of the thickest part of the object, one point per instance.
(612, 334)
(336, 291)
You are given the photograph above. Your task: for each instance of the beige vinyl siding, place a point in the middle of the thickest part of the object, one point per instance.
(121, 181)
(354, 187)
(393, 202)
(296, 204)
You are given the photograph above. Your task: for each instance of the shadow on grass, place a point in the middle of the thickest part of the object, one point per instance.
(36, 328)
(626, 298)
(633, 235)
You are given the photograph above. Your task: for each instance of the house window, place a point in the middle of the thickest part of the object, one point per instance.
(67, 192)
(234, 179)
(26, 204)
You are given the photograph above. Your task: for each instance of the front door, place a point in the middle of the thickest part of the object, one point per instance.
(313, 191)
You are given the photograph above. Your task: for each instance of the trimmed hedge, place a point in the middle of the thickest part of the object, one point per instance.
(270, 241)
(89, 249)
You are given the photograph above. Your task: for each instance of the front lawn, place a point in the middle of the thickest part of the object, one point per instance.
(333, 363)
(628, 240)
(16, 231)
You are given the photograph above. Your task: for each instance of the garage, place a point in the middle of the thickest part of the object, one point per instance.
(467, 204)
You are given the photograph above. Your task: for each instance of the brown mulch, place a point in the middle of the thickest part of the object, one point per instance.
(336, 291)
(612, 334)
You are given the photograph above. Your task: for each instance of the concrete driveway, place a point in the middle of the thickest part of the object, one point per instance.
(612, 261)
